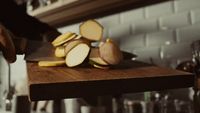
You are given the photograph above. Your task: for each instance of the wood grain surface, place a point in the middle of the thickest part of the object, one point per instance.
(130, 76)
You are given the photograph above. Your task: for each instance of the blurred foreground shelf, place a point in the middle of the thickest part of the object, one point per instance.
(47, 83)
(67, 12)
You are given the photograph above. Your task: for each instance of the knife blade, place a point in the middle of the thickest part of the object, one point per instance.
(40, 51)
(45, 51)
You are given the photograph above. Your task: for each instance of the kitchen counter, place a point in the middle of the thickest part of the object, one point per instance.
(47, 83)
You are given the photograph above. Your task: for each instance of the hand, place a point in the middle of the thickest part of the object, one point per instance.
(7, 45)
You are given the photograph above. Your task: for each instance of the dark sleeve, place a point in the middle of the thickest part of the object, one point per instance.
(20, 23)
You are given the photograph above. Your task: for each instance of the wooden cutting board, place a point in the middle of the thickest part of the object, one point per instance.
(47, 83)
(40, 51)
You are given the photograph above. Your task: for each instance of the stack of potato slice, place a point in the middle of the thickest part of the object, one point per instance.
(75, 49)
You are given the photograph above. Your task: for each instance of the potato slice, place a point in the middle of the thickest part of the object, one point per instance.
(110, 52)
(60, 52)
(100, 67)
(95, 57)
(96, 65)
(91, 30)
(77, 55)
(71, 44)
(63, 39)
(51, 63)
(78, 37)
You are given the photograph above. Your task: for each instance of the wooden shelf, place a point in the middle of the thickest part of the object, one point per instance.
(60, 14)
(131, 76)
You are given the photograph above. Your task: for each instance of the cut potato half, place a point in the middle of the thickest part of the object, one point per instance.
(63, 38)
(110, 52)
(94, 52)
(95, 57)
(91, 30)
(60, 52)
(77, 55)
(51, 63)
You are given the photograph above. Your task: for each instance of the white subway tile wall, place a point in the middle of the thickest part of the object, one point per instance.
(185, 5)
(175, 21)
(145, 26)
(109, 21)
(159, 10)
(132, 15)
(160, 33)
(189, 33)
(165, 37)
(195, 16)
(133, 41)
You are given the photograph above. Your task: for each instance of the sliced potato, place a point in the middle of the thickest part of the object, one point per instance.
(94, 52)
(91, 30)
(96, 65)
(101, 43)
(71, 44)
(60, 52)
(100, 67)
(110, 52)
(95, 57)
(77, 55)
(51, 63)
(63, 38)
(99, 60)
(78, 37)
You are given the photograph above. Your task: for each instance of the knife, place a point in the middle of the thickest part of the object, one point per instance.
(36, 50)
(44, 51)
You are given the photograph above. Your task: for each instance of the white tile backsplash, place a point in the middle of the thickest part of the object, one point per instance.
(175, 21)
(109, 21)
(148, 53)
(157, 10)
(164, 37)
(145, 26)
(119, 31)
(186, 5)
(189, 33)
(132, 15)
(181, 50)
(130, 42)
(195, 14)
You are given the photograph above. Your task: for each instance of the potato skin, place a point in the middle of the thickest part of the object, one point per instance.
(110, 52)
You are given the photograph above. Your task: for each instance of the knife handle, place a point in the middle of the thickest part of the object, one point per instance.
(20, 45)
(7, 45)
